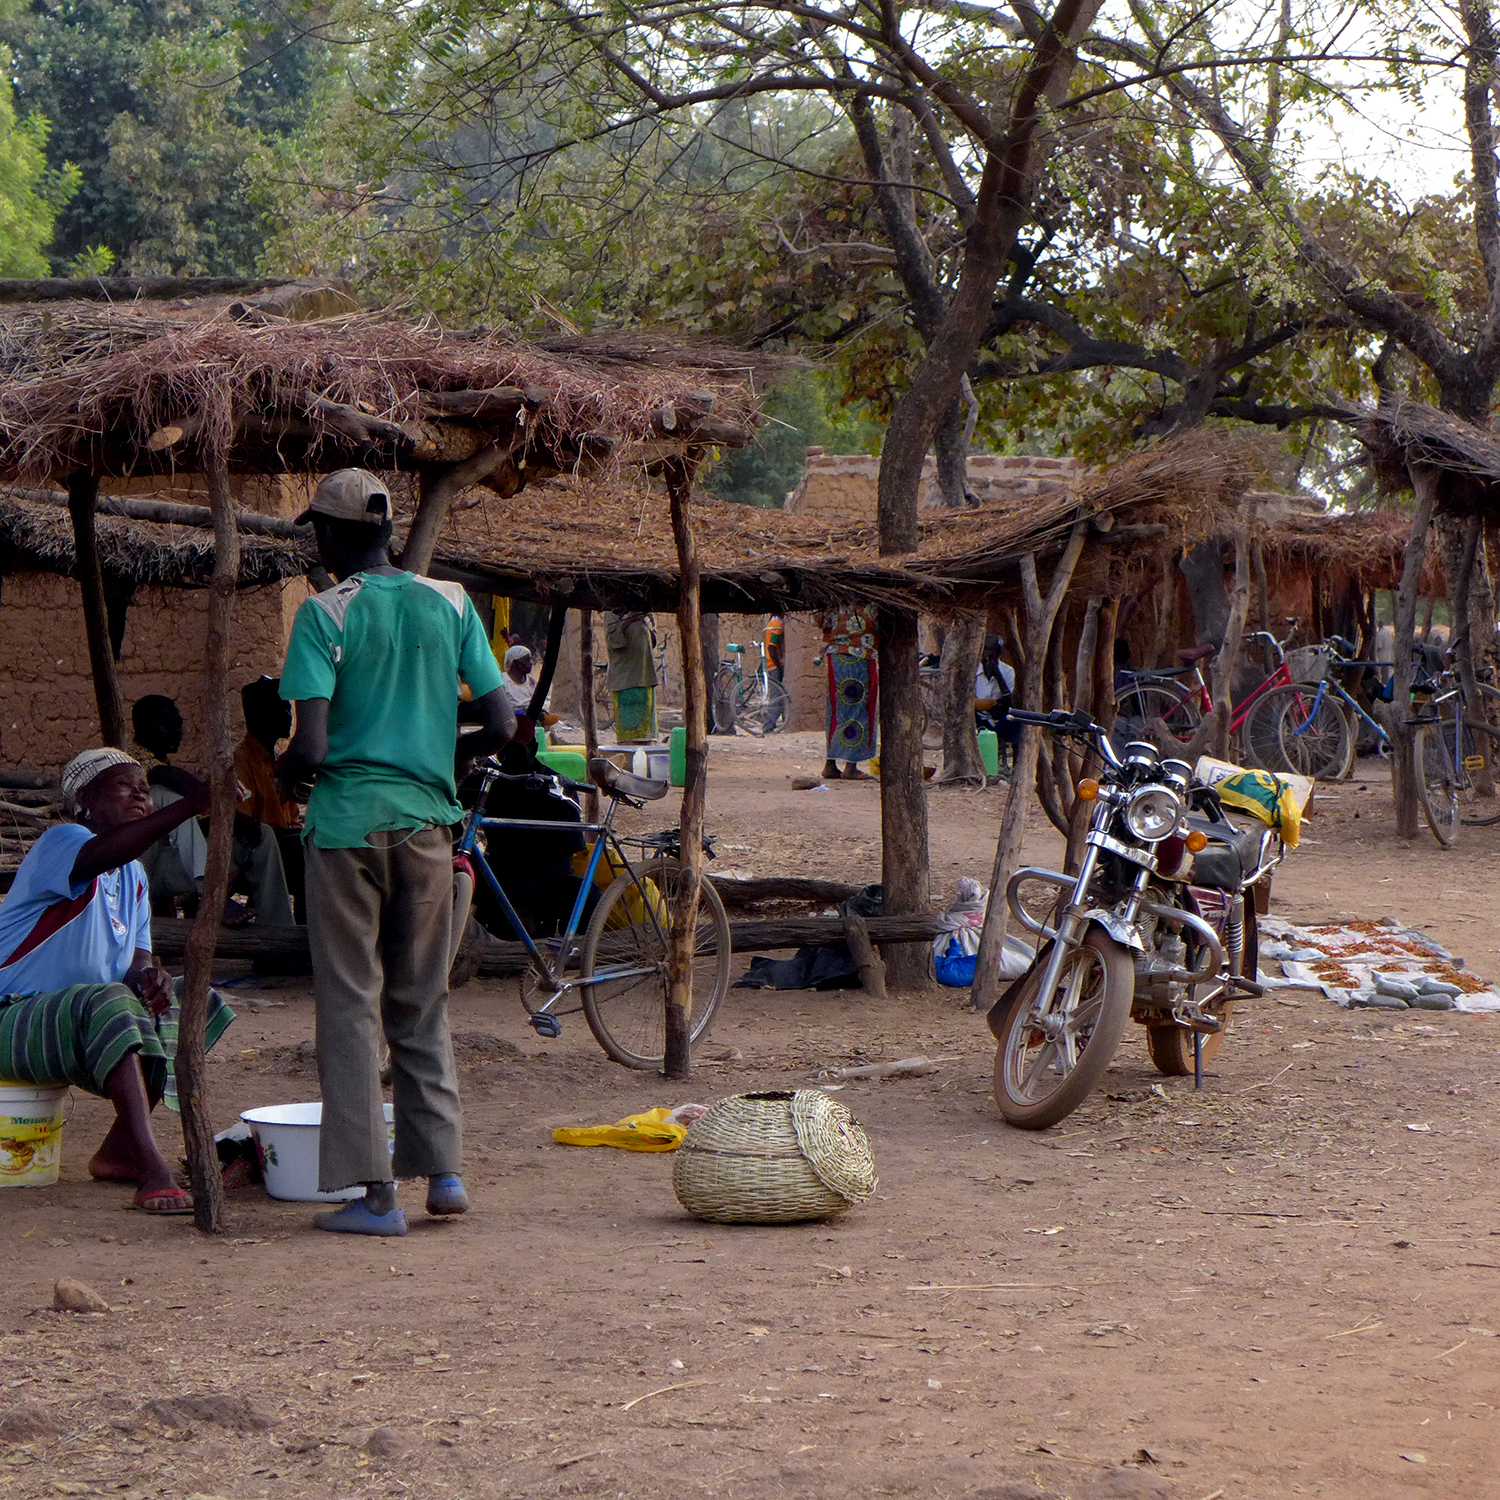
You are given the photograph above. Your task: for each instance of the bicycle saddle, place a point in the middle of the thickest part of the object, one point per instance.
(608, 777)
(1196, 653)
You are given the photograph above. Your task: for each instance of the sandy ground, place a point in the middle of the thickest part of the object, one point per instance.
(1284, 1285)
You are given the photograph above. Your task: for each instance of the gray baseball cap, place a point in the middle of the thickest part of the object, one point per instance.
(350, 495)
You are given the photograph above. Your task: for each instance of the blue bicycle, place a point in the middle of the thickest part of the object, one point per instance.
(617, 971)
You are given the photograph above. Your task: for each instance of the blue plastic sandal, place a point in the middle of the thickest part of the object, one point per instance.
(356, 1218)
(446, 1195)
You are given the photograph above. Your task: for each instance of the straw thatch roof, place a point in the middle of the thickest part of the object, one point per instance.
(39, 537)
(1371, 543)
(170, 387)
(573, 545)
(1408, 432)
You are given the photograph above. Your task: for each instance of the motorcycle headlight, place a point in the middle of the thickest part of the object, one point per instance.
(1153, 813)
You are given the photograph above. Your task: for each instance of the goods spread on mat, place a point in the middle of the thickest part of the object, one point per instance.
(1380, 964)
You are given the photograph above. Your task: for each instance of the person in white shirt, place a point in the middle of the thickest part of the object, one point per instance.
(994, 683)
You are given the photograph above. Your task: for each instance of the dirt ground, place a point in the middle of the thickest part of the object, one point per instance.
(1283, 1285)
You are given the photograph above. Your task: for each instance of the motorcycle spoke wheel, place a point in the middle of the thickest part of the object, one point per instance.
(1045, 1068)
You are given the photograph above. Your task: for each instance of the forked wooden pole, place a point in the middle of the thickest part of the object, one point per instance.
(192, 1080)
(83, 493)
(1040, 616)
(678, 1060)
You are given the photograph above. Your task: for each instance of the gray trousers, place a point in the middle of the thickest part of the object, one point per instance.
(378, 924)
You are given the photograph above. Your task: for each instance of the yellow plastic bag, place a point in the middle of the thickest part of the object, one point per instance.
(1267, 797)
(651, 1131)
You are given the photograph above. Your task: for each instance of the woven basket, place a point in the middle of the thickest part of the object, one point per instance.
(775, 1158)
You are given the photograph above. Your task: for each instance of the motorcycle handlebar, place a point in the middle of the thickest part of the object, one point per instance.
(1074, 723)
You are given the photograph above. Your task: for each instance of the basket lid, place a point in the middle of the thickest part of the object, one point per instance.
(834, 1145)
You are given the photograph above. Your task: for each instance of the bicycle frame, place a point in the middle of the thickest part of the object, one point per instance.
(550, 970)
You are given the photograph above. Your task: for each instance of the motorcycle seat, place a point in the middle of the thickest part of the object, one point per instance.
(1232, 855)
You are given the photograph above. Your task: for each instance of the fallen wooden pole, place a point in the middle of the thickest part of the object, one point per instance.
(501, 959)
(752, 890)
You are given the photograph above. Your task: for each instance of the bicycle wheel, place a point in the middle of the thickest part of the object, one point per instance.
(604, 703)
(1437, 779)
(761, 708)
(1292, 729)
(628, 938)
(721, 703)
(1478, 807)
(1158, 698)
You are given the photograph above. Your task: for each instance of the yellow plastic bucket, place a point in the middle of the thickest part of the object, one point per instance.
(32, 1116)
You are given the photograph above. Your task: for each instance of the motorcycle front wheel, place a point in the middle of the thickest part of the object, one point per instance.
(1045, 1069)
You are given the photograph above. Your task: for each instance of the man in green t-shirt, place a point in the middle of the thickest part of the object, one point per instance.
(374, 666)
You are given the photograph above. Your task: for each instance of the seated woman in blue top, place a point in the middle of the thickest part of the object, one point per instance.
(81, 1000)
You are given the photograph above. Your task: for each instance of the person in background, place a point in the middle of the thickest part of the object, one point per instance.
(175, 865)
(773, 645)
(853, 687)
(84, 1002)
(632, 675)
(994, 686)
(520, 689)
(374, 668)
(268, 721)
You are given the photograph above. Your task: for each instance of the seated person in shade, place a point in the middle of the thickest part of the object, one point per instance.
(175, 865)
(994, 685)
(268, 720)
(81, 999)
(519, 689)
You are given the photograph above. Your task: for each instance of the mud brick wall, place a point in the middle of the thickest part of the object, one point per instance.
(47, 708)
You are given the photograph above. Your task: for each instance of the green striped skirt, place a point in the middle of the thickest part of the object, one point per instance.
(635, 715)
(80, 1035)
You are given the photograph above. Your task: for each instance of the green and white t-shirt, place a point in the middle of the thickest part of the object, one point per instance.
(388, 651)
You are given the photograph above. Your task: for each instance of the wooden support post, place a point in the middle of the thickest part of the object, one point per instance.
(1424, 482)
(1040, 617)
(586, 705)
(678, 1060)
(1229, 651)
(962, 648)
(871, 969)
(438, 486)
(192, 1079)
(83, 492)
(904, 871)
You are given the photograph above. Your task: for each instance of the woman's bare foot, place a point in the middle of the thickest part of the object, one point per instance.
(830, 771)
(116, 1159)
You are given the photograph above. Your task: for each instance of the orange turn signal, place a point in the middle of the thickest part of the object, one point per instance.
(1087, 789)
(1197, 842)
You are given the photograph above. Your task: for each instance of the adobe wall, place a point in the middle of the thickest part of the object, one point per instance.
(842, 486)
(47, 708)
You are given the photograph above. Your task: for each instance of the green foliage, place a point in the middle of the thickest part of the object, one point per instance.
(163, 105)
(799, 417)
(31, 193)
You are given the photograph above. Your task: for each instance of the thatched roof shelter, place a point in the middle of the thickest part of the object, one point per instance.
(576, 547)
(1370, 543)
(152, 388)
(1407, 432)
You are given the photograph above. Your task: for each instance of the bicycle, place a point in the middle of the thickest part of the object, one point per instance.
(1284, 719)
(1320, 748)
(620, 979)
(757, 703)
(1450, 756)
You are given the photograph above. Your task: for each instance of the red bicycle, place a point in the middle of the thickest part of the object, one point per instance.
(1320, 749)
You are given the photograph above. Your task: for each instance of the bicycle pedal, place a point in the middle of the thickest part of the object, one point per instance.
(546, 1025)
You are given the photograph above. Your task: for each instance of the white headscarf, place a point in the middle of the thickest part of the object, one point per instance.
(82, 769)
(514, 654)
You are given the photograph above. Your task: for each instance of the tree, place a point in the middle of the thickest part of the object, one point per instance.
(31, 193)
(163, 107)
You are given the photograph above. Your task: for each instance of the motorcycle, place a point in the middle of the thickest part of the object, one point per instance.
(1157, 926)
